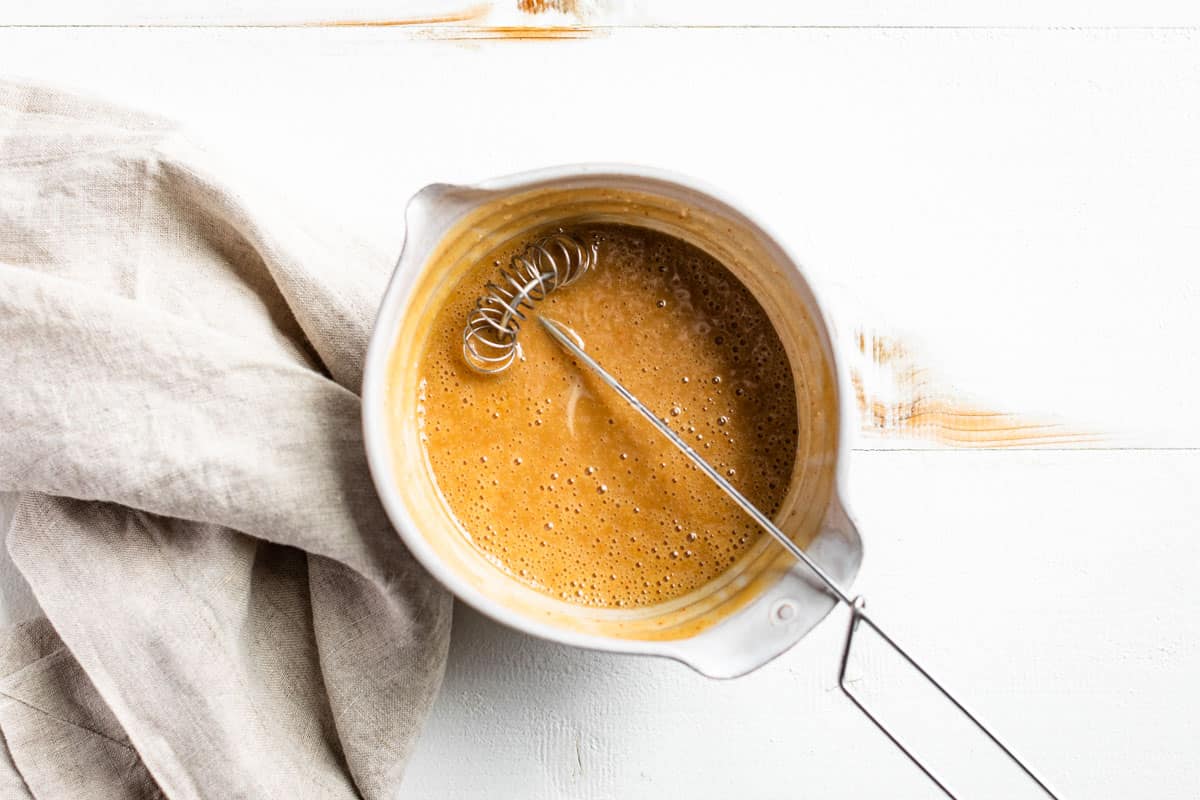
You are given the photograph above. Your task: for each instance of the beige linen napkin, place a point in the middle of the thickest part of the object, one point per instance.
(228, 612)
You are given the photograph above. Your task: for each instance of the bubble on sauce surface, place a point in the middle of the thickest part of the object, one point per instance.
(507, 462)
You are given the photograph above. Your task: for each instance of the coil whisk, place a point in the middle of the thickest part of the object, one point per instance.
(490, 338)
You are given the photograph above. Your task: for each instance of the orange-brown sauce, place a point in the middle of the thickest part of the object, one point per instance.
(563, 486)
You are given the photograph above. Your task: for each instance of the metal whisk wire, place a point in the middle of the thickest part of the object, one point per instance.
(490, 338)
(571, 341)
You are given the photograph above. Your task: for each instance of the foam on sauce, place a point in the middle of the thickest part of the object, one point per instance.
(564, 487)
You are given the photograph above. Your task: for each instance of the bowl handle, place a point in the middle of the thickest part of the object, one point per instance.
(431, 212)
(779, 617)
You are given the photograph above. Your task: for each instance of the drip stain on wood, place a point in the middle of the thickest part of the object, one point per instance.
(471, 22)
(469, 14)
(521, 32)
(542, 6)
(898, 397)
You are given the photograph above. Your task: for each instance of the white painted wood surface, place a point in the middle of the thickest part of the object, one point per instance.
(619, 13)
(1021, 205)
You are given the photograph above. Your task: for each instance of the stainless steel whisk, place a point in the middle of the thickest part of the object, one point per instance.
(573, 344)
(490, 339)
(494, 324)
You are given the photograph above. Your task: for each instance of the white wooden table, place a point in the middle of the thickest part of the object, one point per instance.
(1012, 189)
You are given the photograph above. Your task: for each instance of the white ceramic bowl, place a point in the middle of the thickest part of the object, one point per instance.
(767, 602)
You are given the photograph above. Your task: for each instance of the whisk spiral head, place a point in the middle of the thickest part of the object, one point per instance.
(490, 336)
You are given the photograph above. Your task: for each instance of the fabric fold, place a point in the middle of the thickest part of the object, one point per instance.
(228, 611)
